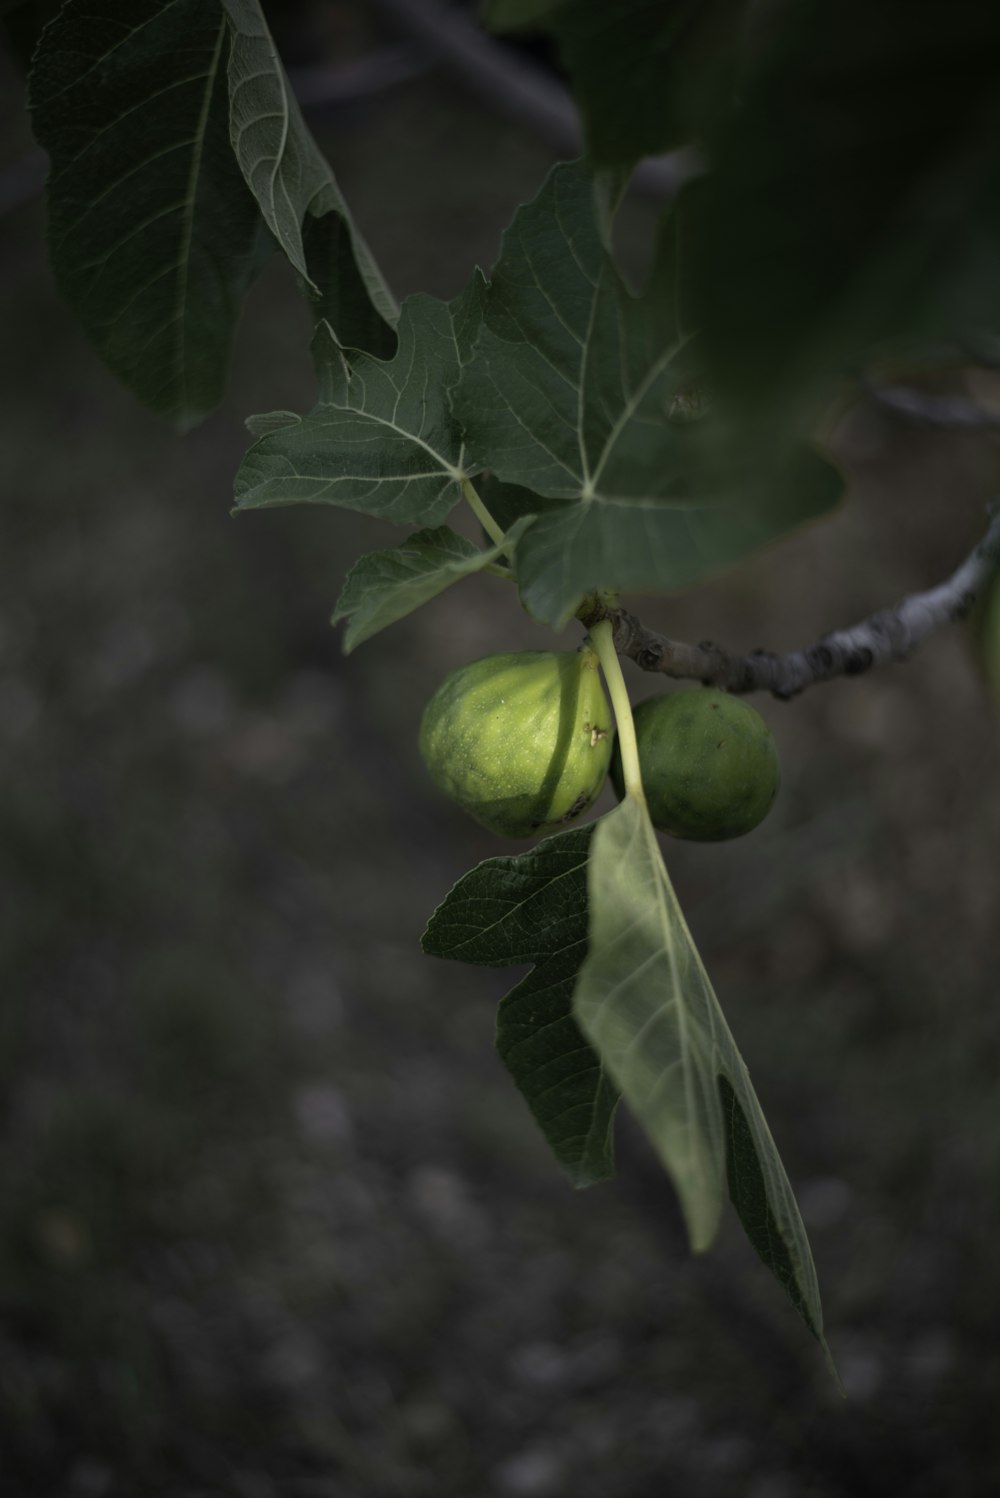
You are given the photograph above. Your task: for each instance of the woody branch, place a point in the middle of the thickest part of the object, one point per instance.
(889, 635)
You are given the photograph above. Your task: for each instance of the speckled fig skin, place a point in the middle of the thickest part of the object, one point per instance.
(522, 742)
(709, 764)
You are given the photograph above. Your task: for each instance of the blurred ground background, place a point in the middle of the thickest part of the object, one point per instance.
(273, 1221)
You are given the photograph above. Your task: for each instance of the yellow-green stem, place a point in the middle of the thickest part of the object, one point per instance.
(603, 642)
(481, 513)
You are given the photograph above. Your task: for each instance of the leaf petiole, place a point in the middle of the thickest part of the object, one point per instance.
(482, 514)
(603, 641)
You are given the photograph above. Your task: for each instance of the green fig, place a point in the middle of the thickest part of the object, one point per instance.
(709, 764)
(522, 742)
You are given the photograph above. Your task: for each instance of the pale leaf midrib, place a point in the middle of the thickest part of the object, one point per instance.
(188, 215)
(632, 404)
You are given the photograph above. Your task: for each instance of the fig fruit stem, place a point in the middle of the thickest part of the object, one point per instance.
(602, 639)
(481, 513)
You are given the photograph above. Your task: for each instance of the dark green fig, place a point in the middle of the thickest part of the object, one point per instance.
(709, 764)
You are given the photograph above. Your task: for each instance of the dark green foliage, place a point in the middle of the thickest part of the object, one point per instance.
(385, 586)
(297, 192)
(646, 1004)
(673, 61)
(748, 1193)
(154, 238)
(533, 908)
(337, 288)
(854, 199)
(578, 391)
(383, 438)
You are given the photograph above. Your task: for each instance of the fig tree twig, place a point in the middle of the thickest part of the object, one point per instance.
(890, 635)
